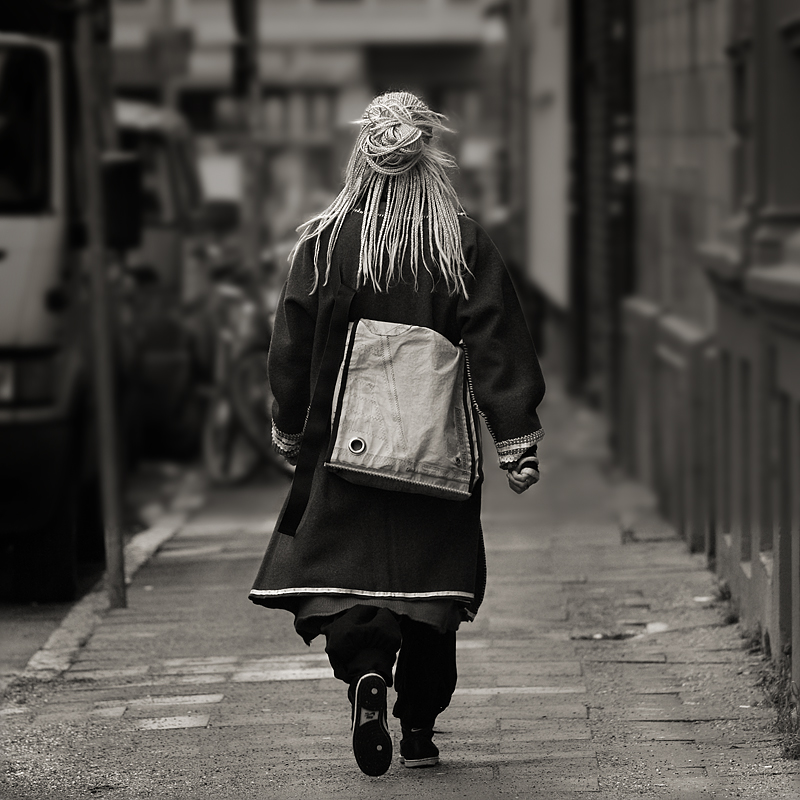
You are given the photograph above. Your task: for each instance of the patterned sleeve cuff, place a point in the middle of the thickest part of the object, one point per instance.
(510, 450)
(287, 444)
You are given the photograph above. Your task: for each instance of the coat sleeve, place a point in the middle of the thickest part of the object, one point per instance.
(505, 377)
(290, 354)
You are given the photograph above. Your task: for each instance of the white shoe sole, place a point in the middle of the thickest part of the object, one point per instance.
(419, 762)
(372, 742)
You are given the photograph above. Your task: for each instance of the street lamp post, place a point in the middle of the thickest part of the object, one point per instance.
(101, 335)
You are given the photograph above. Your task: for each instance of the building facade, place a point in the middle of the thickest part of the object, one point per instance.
(752, 263)
(712, 351)
(663, 236)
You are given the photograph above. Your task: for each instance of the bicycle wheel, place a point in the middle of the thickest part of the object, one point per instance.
(252, 398)
(228, 453)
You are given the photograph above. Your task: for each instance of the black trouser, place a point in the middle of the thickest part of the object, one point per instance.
(366, 639)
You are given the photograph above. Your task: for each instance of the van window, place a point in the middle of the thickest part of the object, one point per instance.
(25, 130)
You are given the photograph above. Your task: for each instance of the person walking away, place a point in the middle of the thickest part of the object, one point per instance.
(388, 576)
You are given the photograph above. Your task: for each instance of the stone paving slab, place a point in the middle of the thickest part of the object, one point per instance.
(643, 656)
(548, 775)
(675, 714)
(546, 711)
(523, 669)
(172, 723)
(547, 731)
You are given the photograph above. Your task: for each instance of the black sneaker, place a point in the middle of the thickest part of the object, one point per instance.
(417, 748)
(372, 743)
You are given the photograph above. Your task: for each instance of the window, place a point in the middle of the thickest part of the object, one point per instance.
(24, 130)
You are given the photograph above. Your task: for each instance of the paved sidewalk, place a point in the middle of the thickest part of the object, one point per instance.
(599, 667)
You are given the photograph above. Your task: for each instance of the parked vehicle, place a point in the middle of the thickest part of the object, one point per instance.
(165, 279)
(49, 508)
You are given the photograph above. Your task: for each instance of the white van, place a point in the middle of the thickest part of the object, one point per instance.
(49, 511)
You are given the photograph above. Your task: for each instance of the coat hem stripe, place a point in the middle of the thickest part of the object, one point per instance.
(359, 593)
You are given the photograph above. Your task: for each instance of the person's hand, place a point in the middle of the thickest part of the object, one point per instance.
(523, 475)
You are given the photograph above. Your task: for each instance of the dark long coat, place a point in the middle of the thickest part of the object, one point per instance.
(359, 543)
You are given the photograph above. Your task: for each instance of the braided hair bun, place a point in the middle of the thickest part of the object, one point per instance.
(398, 175)
(395, 129)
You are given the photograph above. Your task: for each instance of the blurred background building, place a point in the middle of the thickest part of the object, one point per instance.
(320, 63)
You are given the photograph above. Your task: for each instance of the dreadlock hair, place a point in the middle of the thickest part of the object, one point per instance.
(395, 160)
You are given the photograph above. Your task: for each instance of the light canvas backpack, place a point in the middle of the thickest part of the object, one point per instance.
(402, 417)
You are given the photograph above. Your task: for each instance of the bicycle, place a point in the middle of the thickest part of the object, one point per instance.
(236, 438)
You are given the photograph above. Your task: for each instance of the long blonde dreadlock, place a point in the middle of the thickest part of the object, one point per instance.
(395, 160)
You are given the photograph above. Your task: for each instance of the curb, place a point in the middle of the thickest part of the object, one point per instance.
(58, 652)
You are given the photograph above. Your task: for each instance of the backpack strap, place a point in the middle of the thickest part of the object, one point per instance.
(319, 414)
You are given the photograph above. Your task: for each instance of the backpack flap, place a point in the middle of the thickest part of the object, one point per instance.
(401, 416)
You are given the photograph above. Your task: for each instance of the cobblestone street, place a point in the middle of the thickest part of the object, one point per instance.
(600, 666)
